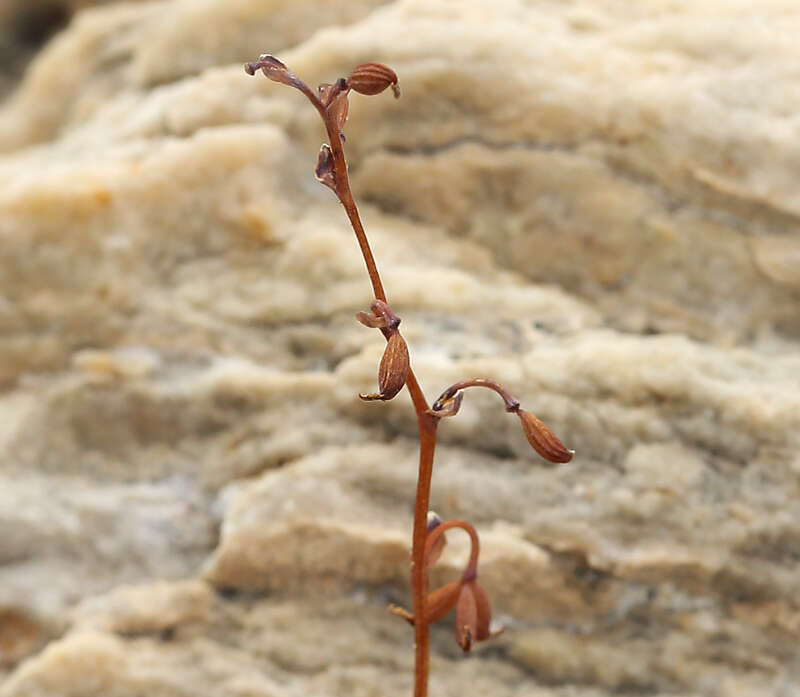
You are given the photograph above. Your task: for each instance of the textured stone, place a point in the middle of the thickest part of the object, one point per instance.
(25, 25)
(593, 202)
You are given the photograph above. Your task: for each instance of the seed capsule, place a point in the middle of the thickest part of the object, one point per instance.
(437, 604)
(441, 601)
(542, 439)
(373, 78)
(393, 370)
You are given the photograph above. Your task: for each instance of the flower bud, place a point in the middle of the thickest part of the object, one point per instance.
(432, 521)
(326, 91)
(381, 308)
(434, 551)
(273, 68)
(447, 407)
(381, 316)
(324, 168)
(542, 439)
(370, 320)
(373, 78)
(338, 109)
(393, 370)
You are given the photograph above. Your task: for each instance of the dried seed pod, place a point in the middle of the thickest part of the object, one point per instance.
(373, 78)
(466, 617)
(542, 439)
(393, 370)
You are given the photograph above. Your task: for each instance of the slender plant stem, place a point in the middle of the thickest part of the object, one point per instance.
(331, 104)
(419, 576)
(372, 78)
(426, 424)
(346, 197)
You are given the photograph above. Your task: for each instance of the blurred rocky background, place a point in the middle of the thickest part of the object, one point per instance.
(594, 202)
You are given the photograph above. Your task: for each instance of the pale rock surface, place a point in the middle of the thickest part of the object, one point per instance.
(25, 25)
(593, 202)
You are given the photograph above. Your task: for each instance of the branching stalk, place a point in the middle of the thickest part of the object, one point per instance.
(473, 614)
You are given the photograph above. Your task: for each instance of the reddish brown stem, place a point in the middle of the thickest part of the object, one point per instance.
(511, 402)
(331, 170)
(346, 197)
(471, 569)
(419, 577)
(426, 424)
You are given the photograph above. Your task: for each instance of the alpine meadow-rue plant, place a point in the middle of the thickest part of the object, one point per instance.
(472, 608)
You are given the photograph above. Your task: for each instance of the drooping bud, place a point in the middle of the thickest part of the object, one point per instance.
(373, 78)
(324, 168)
(542, 439)
(466, 617)
(393, 370)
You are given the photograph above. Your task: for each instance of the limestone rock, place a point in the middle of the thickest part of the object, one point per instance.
(593, 202)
